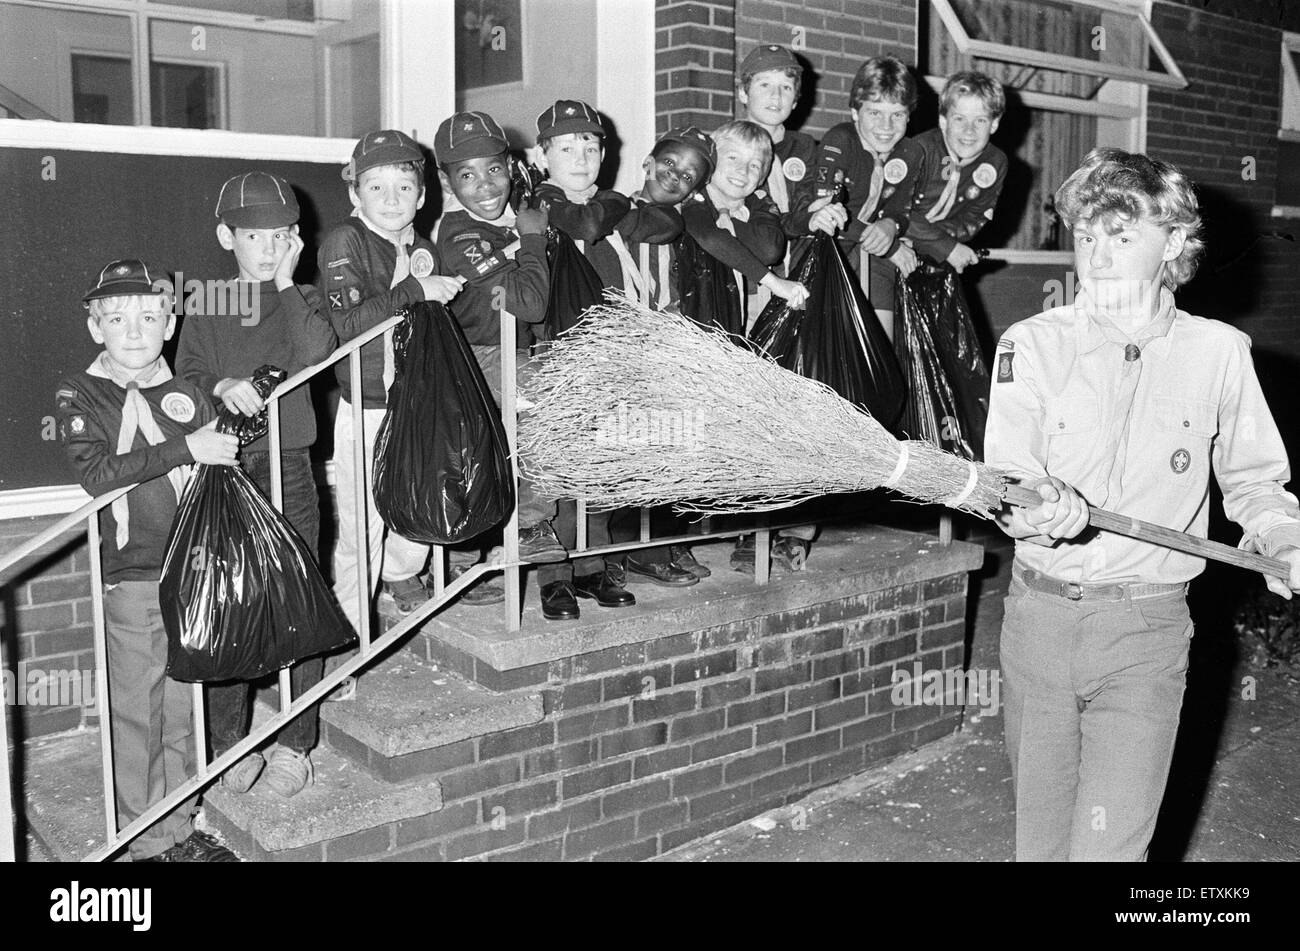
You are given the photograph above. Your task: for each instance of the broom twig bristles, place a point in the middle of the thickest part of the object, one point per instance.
(637, 407)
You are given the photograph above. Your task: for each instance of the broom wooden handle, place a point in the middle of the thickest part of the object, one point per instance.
(1159, 535)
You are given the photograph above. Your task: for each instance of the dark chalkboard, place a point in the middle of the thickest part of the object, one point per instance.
(56, 233)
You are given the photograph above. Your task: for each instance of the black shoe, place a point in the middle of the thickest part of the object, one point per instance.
(665, 574)
(559, 602)
(606, 587)
(539, 545)
(487, 590)
(742, 558)
(199, 847)
(683, 558)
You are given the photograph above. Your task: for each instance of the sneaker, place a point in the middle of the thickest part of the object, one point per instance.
(345, 691)
(289, 772)
(199, 847)
(488, 590)
(407, 594)
(240, 777)
(790, 553)
(682, 557)
(742, 558)
(539, 545)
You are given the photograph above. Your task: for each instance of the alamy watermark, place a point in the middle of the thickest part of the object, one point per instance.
(216, 298)
(38, 687)
(632, 426)
(951, 687)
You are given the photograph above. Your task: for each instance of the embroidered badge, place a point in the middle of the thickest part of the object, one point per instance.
(486, 265)
(973, 192)
(473, 253)
(886, 192)
(354, 295)
(78, 425)
(895, 171)
(794, 169)
(486, 245)
(985, 175)
(421, 263)
(339, 263)
(178, 406)
(65, 396)
(121, 270)
(1180, 461)
(1005, 373)
(336, 300)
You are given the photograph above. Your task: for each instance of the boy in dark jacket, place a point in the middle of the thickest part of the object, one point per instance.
(258, 222)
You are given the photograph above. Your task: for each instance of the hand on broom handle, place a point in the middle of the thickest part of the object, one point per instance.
(1159, 535)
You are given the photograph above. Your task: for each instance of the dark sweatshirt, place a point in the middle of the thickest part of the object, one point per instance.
(758, 244)
(289, 332)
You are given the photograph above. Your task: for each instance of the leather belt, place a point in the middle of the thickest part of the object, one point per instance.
(1074, 591)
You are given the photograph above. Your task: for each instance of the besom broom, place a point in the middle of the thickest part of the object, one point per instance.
(636, 407)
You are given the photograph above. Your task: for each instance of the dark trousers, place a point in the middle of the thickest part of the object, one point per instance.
(598, 534)
(228, 703)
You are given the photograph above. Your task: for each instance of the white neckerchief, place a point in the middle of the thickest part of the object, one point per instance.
(137, 416)
(728, 210)
(506, 219)
(952, 167)
(401, 271)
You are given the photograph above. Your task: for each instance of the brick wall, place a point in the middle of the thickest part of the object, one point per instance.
(694, 62)
(647, 746)
(833, 37)
(46, 629)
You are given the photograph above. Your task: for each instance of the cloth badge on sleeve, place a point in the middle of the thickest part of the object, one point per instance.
(339, 263)
(794, 169)
(895, 171)
(985, 175)
(421, 263)
(65, 396)
(354, 295)
(77, 425)
(178, 406)
(1005, 372)
(1180, 461)
(336, 300)
(973, 192)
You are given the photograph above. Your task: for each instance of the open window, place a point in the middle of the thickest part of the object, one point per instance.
(1076, 74)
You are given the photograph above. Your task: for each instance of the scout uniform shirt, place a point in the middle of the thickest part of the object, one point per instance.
(476, 250)
(1135, 425)
(952, 208)
(649, 231)
(366, 278)
(879, 186)
(790, 182)
(589, 219)
(117, 432)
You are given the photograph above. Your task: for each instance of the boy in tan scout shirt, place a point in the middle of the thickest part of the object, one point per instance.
(1123, 401)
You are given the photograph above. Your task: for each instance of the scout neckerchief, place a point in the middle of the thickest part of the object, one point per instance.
(776, 186)
(137, 417)
(401, 271)
(868, 209)
(656, 281)
(729, 212)
(1128, 349)
(952, 167)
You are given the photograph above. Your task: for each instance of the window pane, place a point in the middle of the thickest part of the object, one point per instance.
(56, 62)
(354, 87)
(305, 10)
(188, 97)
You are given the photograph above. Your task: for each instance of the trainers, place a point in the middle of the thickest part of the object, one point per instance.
(240, 777)
(539, 545)
(407, 594)
(345, 691)
(487, 591)
(199, 847)
(790, 553)
(289, 772)
(742, 558)
(683, 558)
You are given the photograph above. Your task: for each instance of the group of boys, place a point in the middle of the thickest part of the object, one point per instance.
(743, 193)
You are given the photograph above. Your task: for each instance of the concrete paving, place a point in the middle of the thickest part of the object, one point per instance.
(1231, 795)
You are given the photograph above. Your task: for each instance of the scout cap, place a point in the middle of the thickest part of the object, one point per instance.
(128, 277)
(692, 136)
(768, 57)
(257, 200)
(385, 147)
(468, 135)
(568, 116)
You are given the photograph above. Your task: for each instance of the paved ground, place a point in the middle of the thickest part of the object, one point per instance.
(1231, 794)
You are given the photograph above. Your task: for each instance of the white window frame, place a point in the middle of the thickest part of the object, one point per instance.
(416, 90)
(1120, 106)
(1289, 108)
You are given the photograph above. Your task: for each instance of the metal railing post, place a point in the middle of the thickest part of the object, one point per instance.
(277, 500)
(580, 542)
(361, 489)
(7, 850)
(510, 533)
(101, 674)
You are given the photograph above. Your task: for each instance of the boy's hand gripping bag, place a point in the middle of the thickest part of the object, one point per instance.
(836, 337)
(442, 470)
(706, 288)
(241, 595)
(938, 300)
(575, 285)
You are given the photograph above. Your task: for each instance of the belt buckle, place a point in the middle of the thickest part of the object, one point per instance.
(1072, 590)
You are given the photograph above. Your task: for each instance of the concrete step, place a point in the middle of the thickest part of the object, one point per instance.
(63, 794)
(410, 718)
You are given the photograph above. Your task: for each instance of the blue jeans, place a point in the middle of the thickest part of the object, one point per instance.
(228, 703)
(1092, 692)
